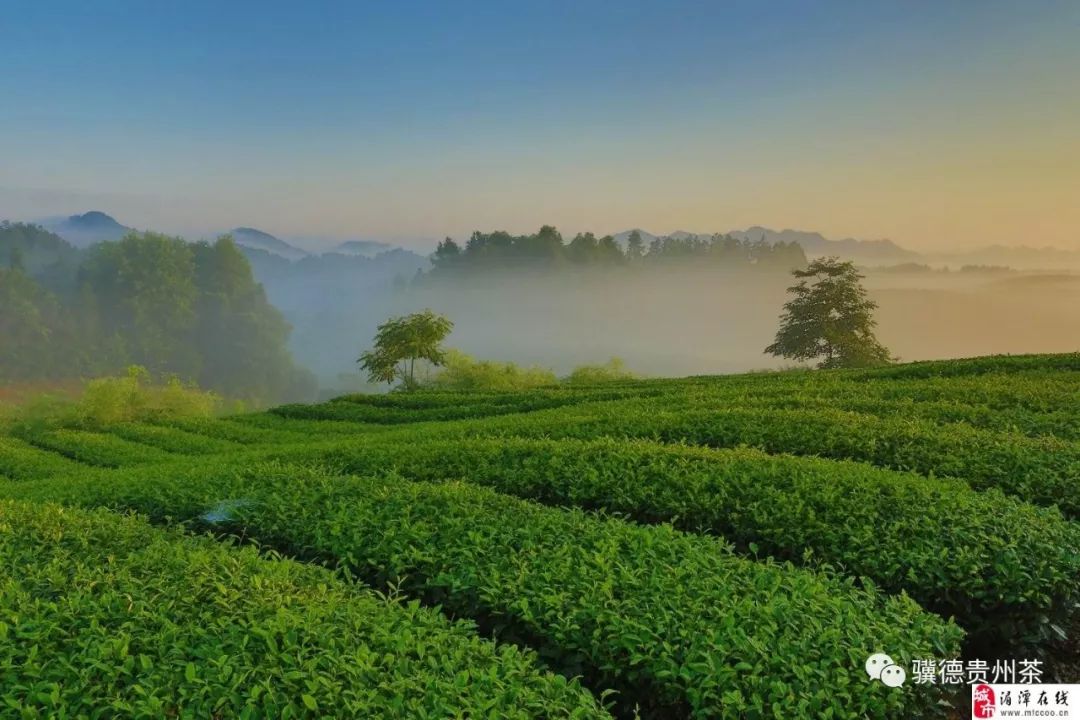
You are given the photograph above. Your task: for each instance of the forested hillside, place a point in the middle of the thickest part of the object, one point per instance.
(192, 310)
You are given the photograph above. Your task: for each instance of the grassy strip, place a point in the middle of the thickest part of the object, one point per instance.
(106, 616)
(674, 622)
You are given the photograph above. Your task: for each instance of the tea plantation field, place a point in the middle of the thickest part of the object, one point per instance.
(727, 547)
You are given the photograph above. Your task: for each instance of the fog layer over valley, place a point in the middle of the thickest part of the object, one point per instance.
(951, 315)
(666, 305)
(671, 321)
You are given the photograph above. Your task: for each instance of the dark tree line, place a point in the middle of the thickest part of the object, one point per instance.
(547, 249)
(193, 310)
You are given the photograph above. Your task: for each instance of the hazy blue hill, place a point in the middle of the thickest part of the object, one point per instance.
(254, 239)
(86, 229)
(814, 243)
(366, 248)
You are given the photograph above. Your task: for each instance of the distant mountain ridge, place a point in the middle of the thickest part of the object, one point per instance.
(816, 244)
(258, 240)
(94, 226)
(255, 239)
(87, 229)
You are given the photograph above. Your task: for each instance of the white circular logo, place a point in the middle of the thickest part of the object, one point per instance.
(876, 663)
(893, 676)
(880, 666)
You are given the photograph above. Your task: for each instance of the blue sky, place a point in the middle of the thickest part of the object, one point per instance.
(938, 124)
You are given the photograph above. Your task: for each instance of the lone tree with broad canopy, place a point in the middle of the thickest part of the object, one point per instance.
(829, 317)
(400, 342)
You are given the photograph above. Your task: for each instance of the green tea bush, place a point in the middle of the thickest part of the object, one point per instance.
(21, 461)
(674, 622)
(92, 448)
(1000, 403)
(358, 413)
(1055, 423)
(519, 400)
(1011, 583)
(170, 439)
(229, 430)
(428, 399)
(292, 422)
(106, 616)
(465, 408)
(1069, 362)
(1063, 425)
(664, 614)
(1044, 471)
(1033, 391)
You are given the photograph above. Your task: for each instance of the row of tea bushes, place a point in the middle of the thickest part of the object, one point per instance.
(673, 622)
(402, 408)
(362, 413)
(882, 399)
(1056, 362)
(1043, 471)
(171, 439)
(98, 449)
(106, 616)
(1010, 583)
(1060, 424)
(20, 460)
(279, 428)
(980, 404)
(241, 429)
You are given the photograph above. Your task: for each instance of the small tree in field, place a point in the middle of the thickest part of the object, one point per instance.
(829, 317)
(400, 342)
